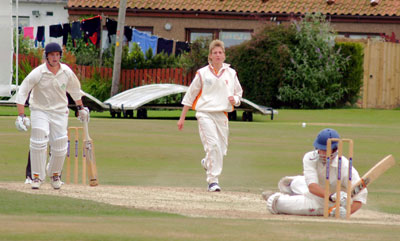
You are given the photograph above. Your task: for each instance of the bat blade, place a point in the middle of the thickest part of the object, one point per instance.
(377, 170)
(91, 163)
(90, 157)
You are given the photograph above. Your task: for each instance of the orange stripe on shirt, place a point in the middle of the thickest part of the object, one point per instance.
(197, 98)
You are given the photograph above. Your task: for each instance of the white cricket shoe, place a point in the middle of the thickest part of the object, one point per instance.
(266, 194)
(203, 164)
(271, 202)
(28, 180)
(56, 181)
(36, 182)
(214, 187)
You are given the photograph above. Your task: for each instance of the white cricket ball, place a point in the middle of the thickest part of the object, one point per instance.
(303, 124)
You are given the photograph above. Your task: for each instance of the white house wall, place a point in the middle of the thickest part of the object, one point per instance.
(60, 15)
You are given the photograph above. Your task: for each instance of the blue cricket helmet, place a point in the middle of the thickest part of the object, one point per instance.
(322, 138)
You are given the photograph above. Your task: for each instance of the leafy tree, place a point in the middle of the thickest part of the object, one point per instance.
(197, 57)
(97, 86)
(86, 54)
(260, 63)
(313, 79)
(134, 58)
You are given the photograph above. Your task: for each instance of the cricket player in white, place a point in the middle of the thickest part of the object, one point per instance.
(48, 85)
(214, 91)
(304, 195)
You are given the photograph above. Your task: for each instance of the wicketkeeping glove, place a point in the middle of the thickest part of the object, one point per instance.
(343, 198)
(342, 212)
(22, 123)
(83, 114)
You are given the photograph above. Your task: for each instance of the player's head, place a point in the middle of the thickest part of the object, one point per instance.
(322, 139)
(320, 142)
(55, 52)
(216, 51)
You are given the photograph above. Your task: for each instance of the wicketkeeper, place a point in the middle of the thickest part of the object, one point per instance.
(215, 90)
(48, 85)
(304, 195)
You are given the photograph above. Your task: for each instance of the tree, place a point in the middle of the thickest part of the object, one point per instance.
(261, 61)
(313, 79)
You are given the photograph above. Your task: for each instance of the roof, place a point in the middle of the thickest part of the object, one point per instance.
(340, 7)
(43, 1)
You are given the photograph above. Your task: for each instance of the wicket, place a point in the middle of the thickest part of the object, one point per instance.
(75, 132)
(339, 174)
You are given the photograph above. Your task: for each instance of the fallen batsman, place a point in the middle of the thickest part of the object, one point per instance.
(304, 195)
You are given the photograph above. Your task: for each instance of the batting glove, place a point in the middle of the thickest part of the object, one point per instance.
(342, 212)
(22, 123)
(83, 114)
(343, 198)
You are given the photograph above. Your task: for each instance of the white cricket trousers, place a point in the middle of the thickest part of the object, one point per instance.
(302, 202)
(48, 127)
(214, 132)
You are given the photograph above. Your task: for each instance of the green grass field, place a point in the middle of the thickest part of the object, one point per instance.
(153, 152)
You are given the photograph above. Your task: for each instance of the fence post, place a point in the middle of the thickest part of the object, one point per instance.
(148, 77)
(137, 82)
(141, 77)
(167, 76)
(158, 80)
(122, 80)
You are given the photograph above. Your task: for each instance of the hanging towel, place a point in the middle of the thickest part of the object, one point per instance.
(128, 33)
(91, 29)
(111, 27)
(181, 47)
(76, 30)
(28, 32)
(145, 41)
(56, 31)
(165, 45)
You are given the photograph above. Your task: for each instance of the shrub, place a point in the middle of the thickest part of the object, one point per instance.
(97, 87)
(24, 69)
(136, 59)
(85, 54)
(352, 79)
(314, 77)
(25, 45)
(260, 63)
(197, 57)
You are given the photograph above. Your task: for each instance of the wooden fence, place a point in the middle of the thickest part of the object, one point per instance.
(381, 87)
(130, 78)
(138, 77)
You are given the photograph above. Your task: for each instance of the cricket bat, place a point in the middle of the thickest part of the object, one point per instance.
(380, 168)
(90, 158)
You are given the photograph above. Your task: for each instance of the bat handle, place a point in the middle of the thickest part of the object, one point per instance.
(86, 131)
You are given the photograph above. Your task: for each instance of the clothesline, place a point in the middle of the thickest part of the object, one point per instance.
(91, 33)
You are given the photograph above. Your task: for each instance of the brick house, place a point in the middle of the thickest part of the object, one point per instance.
(234, 21)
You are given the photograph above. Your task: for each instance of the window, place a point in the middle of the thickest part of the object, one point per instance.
(49, 13)
(23, 21)
(359, 35)
(229, 37)
(148, 30)
(192, 35)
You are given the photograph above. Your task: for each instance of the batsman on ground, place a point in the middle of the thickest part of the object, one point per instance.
(48, 85)
(304, 195)
(215, 90)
